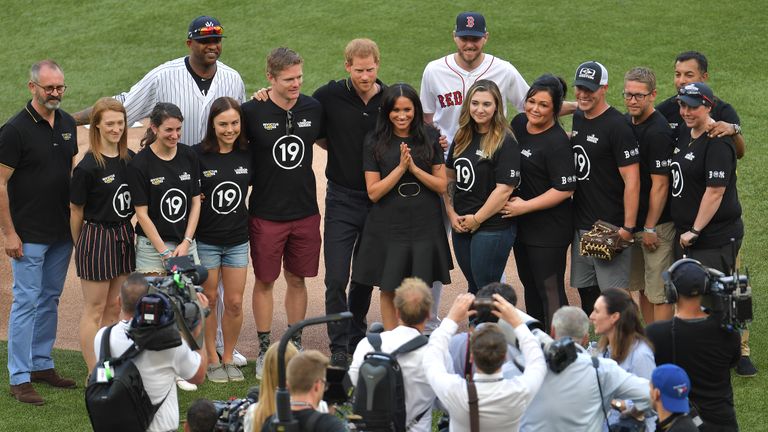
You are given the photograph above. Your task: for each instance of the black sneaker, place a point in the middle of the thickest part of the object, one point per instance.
(745, 368)
(339, 359)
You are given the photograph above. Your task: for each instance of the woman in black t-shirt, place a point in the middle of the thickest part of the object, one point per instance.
(704, 203)
(483, 170)
(404, 175)
(222, 234)
(542, 203)
(100, 219)
(164, 182)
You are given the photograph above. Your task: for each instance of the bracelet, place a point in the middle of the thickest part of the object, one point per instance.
(695, 231)
(166, 252)
(649, 230)
(628, 229)
(189, 239)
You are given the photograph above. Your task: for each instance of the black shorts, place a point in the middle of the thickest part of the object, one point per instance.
(105, 251)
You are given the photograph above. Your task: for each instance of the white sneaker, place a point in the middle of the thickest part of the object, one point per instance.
(259, 365)
(238, 359)
(185, 385)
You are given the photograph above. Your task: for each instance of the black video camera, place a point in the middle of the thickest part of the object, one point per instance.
(231, 413)
(731, 299)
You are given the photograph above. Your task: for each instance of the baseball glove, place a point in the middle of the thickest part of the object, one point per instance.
(602, 241)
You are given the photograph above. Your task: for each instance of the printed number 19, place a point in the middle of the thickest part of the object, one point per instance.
(174, 205)
(125, 200)
(291, 149)
(462, 174)
(227, 195)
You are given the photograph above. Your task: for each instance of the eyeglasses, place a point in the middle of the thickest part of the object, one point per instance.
(638, 96)
(49, 89)
(209, 31)
(289, 122)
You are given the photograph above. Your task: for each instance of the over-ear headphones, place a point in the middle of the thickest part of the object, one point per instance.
(670, 290)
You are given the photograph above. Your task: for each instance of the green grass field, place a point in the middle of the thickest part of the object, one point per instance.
(105, 46)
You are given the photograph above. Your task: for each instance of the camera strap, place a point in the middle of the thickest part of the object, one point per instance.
(474, 412)
(194, 344)
(596, 365)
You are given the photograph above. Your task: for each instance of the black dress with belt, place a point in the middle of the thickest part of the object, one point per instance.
(404, 234)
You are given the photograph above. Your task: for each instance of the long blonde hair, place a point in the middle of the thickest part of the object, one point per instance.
(267, 406)
(492, 141)
(99, 108)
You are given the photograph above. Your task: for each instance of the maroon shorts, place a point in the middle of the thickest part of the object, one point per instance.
(295, 243)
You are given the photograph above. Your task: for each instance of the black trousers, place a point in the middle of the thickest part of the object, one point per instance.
(345, 214)
(542, 272)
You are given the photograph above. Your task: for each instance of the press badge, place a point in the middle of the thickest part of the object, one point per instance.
(101, 375)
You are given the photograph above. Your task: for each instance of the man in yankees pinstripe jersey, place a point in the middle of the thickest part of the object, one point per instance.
(192, 83)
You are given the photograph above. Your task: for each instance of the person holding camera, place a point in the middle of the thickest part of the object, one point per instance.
(306, 382)
(500, 401)
(585, 386)
(697, 342)
(201, 416)
(158, 369)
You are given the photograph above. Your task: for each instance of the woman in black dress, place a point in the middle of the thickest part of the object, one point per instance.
(100, 220)
(542, 203)
(404, 175)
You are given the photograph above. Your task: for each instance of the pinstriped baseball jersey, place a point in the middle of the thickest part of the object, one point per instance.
(444, 85)
(172, 82)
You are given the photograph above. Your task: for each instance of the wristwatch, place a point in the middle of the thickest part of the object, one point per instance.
(737, 128)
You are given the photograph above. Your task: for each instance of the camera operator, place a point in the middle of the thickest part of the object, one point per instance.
(571, 399)
(201, 416)
(306, 382)
(158, 369)
(459, 345)
(500, 401)
(696, 341)
(413, 303)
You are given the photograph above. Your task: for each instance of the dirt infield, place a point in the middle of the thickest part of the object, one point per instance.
(70, 304)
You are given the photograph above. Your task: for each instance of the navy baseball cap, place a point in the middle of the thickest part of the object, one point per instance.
(674, 385)
(204, 27)
(690, 278)
(591, 75)
(696, 94)
(470, 24)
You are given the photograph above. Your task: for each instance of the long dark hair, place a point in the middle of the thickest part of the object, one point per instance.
(210, 142)
(628, 329)
(160, 113)
(423, 135)
(555, 86)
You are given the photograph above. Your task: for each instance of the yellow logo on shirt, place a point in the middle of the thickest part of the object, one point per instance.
(108, 179)
(157, 181)
(209, 173)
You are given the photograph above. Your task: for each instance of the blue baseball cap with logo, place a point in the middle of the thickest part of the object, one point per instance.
(696, 94)
(470, 24)
(205, 27)
(674, 385)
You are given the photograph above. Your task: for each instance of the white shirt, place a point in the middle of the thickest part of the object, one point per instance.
(419, 396)
(570, 400)
(158, 370)
(444, 85)
(502, 401)
(172, 82)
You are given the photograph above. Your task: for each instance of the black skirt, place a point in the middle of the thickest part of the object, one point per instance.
(105, 251)
(404, 236)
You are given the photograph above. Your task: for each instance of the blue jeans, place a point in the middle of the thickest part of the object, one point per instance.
(38, 279)
(483, 255)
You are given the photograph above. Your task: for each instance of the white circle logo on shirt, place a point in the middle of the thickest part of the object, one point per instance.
(581, 160)
(677, 179)
(121, 201)
(288, 151)
(173, 205)
(226, 197)
(465, 174)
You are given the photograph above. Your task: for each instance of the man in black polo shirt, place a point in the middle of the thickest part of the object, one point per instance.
(653, 251)
(606, 156)
(37, 150)
(690, 67)
(350, 107)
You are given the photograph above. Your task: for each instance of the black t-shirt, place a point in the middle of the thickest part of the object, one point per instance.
(281, 146)
(41, 159)
(390, 157)
(324, 423)
(166, 188)
(695, 166)
(224, 180)
(600, 146)
(707, 353)
(103, 191)
(670, 109)
(347, 120)
(545, 163)
(476, 177)
(654, 139)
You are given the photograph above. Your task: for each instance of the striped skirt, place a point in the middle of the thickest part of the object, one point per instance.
(105, 251)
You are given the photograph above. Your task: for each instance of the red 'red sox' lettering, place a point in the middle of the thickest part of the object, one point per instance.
(450, 99)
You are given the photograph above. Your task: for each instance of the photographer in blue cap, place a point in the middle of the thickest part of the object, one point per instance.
(670, 386)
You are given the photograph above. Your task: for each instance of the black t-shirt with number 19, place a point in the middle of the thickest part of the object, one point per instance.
(102, 191)
(166, 188)
(600, 146)
(224, 179)
(476, 177)
(281, 144)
